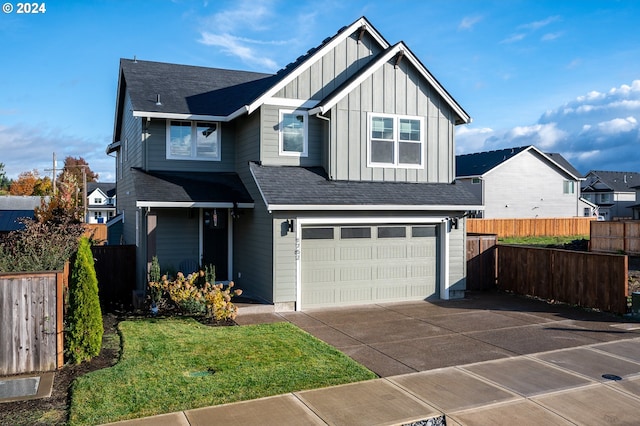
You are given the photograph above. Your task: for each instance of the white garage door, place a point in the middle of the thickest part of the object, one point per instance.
(346, 265)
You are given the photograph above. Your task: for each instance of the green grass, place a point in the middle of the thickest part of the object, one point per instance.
(161, 367)
(541, 241)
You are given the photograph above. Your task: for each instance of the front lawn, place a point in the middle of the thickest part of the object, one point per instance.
(171, 365)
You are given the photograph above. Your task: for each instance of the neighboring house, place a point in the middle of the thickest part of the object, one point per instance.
(101, 202)
(522, 182)
(613, 192)
(635, 209)
(328, 183)
(15, 207)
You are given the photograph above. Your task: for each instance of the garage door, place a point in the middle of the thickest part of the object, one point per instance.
(346, 265)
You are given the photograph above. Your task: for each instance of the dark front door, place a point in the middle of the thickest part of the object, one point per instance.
(215, 241)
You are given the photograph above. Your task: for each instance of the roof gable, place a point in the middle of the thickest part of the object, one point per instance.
(598, 180)
(481, 163)
(399, 51)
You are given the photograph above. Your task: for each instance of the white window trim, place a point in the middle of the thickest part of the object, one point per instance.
(305, 149)
(194, 152)
(396, 141)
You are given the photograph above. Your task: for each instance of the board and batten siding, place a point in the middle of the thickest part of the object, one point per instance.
(332, 69)
(177, 237)
(270, 140)
(528, 186)
(156, 151)
(252, 231)
(391, 90)
(458, 260)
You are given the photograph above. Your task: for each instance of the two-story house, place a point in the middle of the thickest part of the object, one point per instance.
(523, 182)
(328, 183)
(612, 192)
(101, 202)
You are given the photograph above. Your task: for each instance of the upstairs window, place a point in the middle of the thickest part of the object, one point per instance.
(193, 140)
(568, 187)
(97, 200)
(294, 132)
(395, 141)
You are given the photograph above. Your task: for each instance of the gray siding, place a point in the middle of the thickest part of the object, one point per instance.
(333, 69)
(527, 186)
(270, 140)
(253, 242)
(177, 237)
(391, 90)
(457, 260)
(156, 151)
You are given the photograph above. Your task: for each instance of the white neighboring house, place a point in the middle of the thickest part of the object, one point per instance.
(101, 202)
(523, 182)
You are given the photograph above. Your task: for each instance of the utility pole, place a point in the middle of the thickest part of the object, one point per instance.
(53, 179)
(84, 192)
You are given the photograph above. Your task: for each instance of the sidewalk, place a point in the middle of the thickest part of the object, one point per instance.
(489, 359)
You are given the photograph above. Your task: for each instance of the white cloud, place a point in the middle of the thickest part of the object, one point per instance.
(37, 145)
(468, 22)
(536, 25)
(239, 47)
(598, 130)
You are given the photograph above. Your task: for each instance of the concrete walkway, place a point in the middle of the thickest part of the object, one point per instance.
(487, 359)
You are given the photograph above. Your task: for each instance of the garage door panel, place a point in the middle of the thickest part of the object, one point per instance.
(355, 253)
(324, 275)
(355, 273)
(391, 252)
(345, 270)
(391, 272)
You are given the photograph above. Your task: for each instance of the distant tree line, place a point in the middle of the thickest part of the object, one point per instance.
(31, 183)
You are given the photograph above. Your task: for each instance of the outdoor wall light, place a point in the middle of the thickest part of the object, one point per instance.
(290, 224)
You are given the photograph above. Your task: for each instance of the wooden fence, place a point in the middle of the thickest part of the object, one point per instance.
(481, 261)
(96, 231)
(31, 321)
(585, 279)
(116, 272)
(615, 237)
(531, 227)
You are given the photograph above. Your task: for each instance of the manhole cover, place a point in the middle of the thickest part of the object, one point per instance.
(23, 386)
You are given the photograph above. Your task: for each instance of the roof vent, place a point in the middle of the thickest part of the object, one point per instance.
(135, 59)
(158, 100)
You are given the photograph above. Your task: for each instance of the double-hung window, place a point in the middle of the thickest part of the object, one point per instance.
(395, 141)
(193, 140)
(293, 133)
(568, 187)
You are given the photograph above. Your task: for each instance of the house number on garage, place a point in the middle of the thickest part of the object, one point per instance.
(297, 252)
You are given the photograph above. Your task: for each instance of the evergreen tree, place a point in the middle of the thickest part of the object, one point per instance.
(85, 328)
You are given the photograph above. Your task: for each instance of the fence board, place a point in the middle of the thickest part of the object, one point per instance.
(585, 279)
(481, 262)
(29, 327)
(116, 272)
(615, 237)
(564, 226)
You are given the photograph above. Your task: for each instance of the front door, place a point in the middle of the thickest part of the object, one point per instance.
(215, 241)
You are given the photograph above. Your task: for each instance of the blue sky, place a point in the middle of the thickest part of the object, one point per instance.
(562, 75)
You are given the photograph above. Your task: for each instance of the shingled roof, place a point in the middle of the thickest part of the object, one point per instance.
(189, 189)
(186, 89)
(479, 163)
(599, 180)
(300, 188)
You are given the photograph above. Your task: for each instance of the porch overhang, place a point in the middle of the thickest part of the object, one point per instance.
(193, 205)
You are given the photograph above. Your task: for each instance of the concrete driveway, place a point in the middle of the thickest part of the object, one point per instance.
(399, 338)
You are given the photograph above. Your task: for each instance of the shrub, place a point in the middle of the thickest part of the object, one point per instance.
(39, 246)
(193, 297)
(84, 316)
